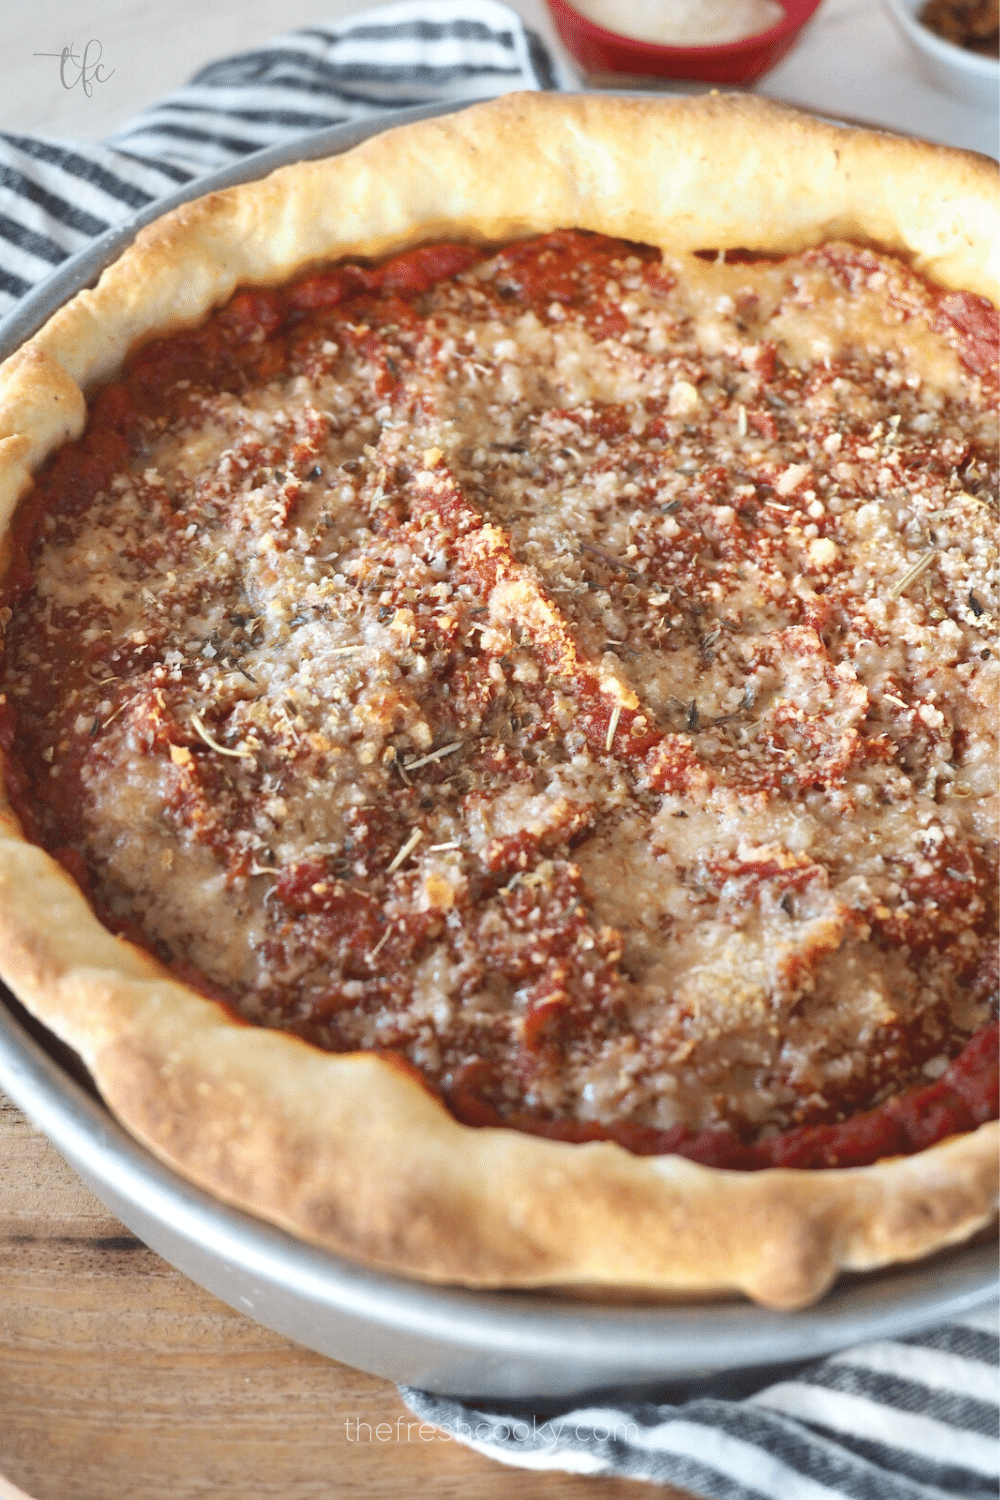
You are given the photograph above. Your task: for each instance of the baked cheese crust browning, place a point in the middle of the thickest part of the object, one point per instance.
(568, 672)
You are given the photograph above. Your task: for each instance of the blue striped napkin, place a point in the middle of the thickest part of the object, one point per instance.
(915, 1419)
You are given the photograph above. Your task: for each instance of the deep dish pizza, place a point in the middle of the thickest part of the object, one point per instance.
(543, 681)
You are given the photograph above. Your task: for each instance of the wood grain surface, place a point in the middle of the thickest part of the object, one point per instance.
(121, 1378)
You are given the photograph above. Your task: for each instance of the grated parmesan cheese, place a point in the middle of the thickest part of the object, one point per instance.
(684, 23)
(607, 700)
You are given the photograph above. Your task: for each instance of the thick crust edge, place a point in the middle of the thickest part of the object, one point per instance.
(346, 1151)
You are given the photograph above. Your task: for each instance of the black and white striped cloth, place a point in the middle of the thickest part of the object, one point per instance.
(56, 196)
(908, 1420)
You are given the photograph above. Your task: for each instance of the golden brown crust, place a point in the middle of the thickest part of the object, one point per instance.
(345, 1150)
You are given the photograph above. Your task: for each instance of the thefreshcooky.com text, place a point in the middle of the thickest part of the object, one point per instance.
(499, 1430)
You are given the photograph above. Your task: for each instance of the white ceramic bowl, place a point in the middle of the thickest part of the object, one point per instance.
(963, 74)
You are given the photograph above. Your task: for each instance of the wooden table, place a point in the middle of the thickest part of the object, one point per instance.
(122, 1380)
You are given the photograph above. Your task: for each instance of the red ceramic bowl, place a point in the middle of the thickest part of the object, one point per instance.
(604, 53)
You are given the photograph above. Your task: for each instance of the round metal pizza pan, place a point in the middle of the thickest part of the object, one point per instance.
(504, 1345)
(499, 1345)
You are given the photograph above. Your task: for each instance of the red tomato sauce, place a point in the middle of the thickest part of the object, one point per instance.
(255, 338)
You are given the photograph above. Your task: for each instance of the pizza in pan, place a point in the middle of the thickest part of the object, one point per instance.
(499, 696)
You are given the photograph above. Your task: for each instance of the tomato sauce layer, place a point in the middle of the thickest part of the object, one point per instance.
(567, 670)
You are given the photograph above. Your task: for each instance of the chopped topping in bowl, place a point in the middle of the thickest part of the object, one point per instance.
(973, 24)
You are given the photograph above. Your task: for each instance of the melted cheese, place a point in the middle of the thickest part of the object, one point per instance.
(611, 706)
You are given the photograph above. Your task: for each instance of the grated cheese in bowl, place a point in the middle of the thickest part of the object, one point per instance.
(684, 23)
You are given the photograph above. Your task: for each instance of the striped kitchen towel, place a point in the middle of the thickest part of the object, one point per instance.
(56, 196)
(906, 1419)
(914, 1419)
